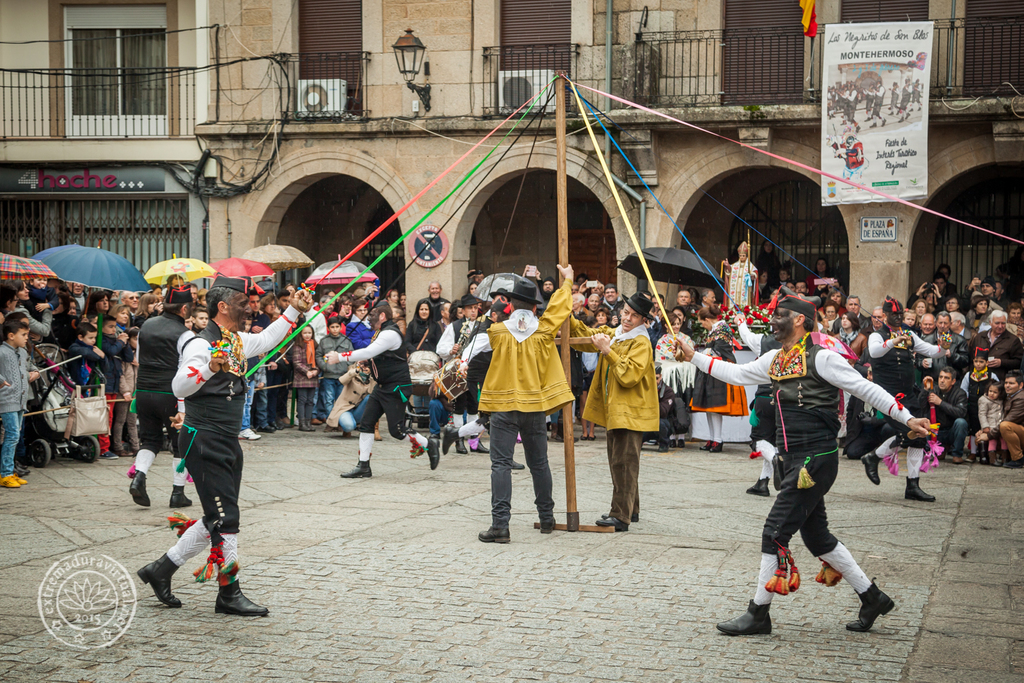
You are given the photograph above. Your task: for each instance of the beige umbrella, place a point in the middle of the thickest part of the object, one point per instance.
(279, 257)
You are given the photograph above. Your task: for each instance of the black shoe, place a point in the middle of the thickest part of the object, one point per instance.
(460, 446)
(451, 435)
(755, 621)
(266, 429)
(21, 470)
(707, 446)
(231, 601)
(760, 488)
(1013, 464)
(283, 424)
(360, 471)
(612, 521)
(434, 451)
(158, 575)
(635, 517)
(178, 499)
(493, 535)
(481, 448)
(871, 461)
(716, 447)
(547, 526)
(663, 448)
(518, 465)
(914, 492)
(138, 489)
(873, 604)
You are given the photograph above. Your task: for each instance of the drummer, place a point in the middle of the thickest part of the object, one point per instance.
(453, 341)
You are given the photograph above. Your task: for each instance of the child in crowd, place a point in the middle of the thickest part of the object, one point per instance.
(990, 414)
(15, 377)
(330, 387)
(258, 380)
(42, 298)
(116, 352)
(304, 368)
(200, 319)
(87, 356)
(124, 419)
(975, 384)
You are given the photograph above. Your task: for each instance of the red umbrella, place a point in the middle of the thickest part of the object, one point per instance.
(241, 267)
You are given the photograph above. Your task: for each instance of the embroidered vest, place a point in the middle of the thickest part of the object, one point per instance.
(219, 403)
(797, 384)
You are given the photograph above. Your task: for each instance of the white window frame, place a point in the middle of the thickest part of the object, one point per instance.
(116, 17)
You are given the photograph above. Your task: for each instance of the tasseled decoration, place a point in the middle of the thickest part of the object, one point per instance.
(214, 562)
(181, 466)
(787, 578)
(931, 455)
(805, 481)
(416, 450)
(180, 522)
(892, 461)
(228, 573)
(754, 455)
(131, 472)
(131, 406)
(828, 576)
(220, 349)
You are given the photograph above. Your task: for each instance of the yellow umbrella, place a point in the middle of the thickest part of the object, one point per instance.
(187, 269)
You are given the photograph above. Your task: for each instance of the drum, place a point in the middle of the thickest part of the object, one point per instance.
(450, 380)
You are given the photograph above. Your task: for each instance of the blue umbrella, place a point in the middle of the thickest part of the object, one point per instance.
(95, 268)
(52, 250)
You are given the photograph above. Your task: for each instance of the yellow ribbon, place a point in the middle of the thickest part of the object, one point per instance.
(618, 202)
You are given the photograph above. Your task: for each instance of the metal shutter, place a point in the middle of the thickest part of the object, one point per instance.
(330, 26)
(867, 11)
(993, 46)
(763, 57)
(533, 22)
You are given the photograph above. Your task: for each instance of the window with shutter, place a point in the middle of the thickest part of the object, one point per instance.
(331, 44)
(867, 11)
(535, 34)
(993, 44)
(763, 56)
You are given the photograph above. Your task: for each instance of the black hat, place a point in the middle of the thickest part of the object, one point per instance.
(470, 300)
(523, 290)
(791, 301)
(178, 295)
(236, 283)
(641, 305)
(990, 281)
(473, 273)
(891, 306)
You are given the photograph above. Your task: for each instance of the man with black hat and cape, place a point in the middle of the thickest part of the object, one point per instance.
(806, 380)
(623, 399)
(161, 339)
(892, 350)
(211, 380)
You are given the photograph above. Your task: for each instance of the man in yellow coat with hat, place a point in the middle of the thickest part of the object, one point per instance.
(623, 399)
(525, 383)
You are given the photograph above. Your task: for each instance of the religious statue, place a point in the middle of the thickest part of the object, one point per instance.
(741, 279)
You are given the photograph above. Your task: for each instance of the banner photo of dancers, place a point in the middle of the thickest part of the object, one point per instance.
(874, 122)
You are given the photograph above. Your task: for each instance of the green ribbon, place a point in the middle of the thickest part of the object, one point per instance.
(808, 459)
(401, 239)
(181, 465)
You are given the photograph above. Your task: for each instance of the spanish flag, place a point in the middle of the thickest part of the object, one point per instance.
(809, 20)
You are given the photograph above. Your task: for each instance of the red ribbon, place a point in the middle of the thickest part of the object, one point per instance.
(197, 374)
(898, 397)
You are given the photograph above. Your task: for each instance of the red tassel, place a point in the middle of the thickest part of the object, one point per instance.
(213, 563)
(180, 523)
(754, 455)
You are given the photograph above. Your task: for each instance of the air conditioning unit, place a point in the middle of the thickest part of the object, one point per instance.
(321, 97)
(516, 87)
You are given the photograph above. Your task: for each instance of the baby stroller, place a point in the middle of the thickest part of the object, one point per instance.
(422, 366)
(52, 392)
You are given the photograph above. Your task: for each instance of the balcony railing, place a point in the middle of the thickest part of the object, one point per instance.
(327, 86)
(97, 103)
(515, 73)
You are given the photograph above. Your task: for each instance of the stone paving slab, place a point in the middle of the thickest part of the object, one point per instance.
(384, 580)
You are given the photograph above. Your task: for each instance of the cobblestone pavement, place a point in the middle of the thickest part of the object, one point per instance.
(384, 580)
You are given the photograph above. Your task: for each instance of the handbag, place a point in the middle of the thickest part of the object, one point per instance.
(89, 415)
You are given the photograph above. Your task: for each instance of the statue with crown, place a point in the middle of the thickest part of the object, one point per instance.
(741, 279)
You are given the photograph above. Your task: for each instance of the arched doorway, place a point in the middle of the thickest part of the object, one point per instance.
(509, 235)
(336, 213)
(782, 205)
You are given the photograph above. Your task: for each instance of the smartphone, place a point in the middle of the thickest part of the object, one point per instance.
(592, 283)
(531, 271)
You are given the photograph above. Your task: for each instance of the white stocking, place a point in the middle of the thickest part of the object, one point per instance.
(767, 458)
(915, 456)
(143, 459)
(887, 448)
(180, 478)
(470, 429)
(715, 424)
(365, 446)
(769, 563)
(191, 543)
(842, 561)
(458, 420)
(417, 439)
(230, 548)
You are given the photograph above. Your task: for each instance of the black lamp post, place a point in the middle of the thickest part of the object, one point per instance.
(409, 52)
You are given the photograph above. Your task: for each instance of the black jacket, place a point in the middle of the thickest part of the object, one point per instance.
(953, 406)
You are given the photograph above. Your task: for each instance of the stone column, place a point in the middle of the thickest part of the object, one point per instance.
(878, 269)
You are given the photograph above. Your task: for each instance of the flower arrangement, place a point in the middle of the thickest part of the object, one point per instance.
(758, 321)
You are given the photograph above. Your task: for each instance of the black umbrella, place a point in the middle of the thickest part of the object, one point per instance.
(675, 266)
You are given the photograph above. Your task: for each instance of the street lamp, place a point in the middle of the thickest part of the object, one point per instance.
(409, 52)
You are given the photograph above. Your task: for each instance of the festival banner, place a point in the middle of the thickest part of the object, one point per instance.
(874, 118)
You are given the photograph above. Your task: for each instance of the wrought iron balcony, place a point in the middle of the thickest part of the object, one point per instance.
(515, 73)
(327, 86)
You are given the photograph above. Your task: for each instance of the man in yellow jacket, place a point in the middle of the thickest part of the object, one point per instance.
(624, 399)
(524, 385)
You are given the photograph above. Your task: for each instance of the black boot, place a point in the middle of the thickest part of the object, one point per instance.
(178, 499)
(871, 461)
(716, 447)
(754, 621)
(760, 488)
(494, 535)
(460, 446)
(138, 489)
(434, 451)
(873, 604)
(481, 448)
(158, 575)
(451, 435)
(231, 601)
(360, 471)
(914, 492)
